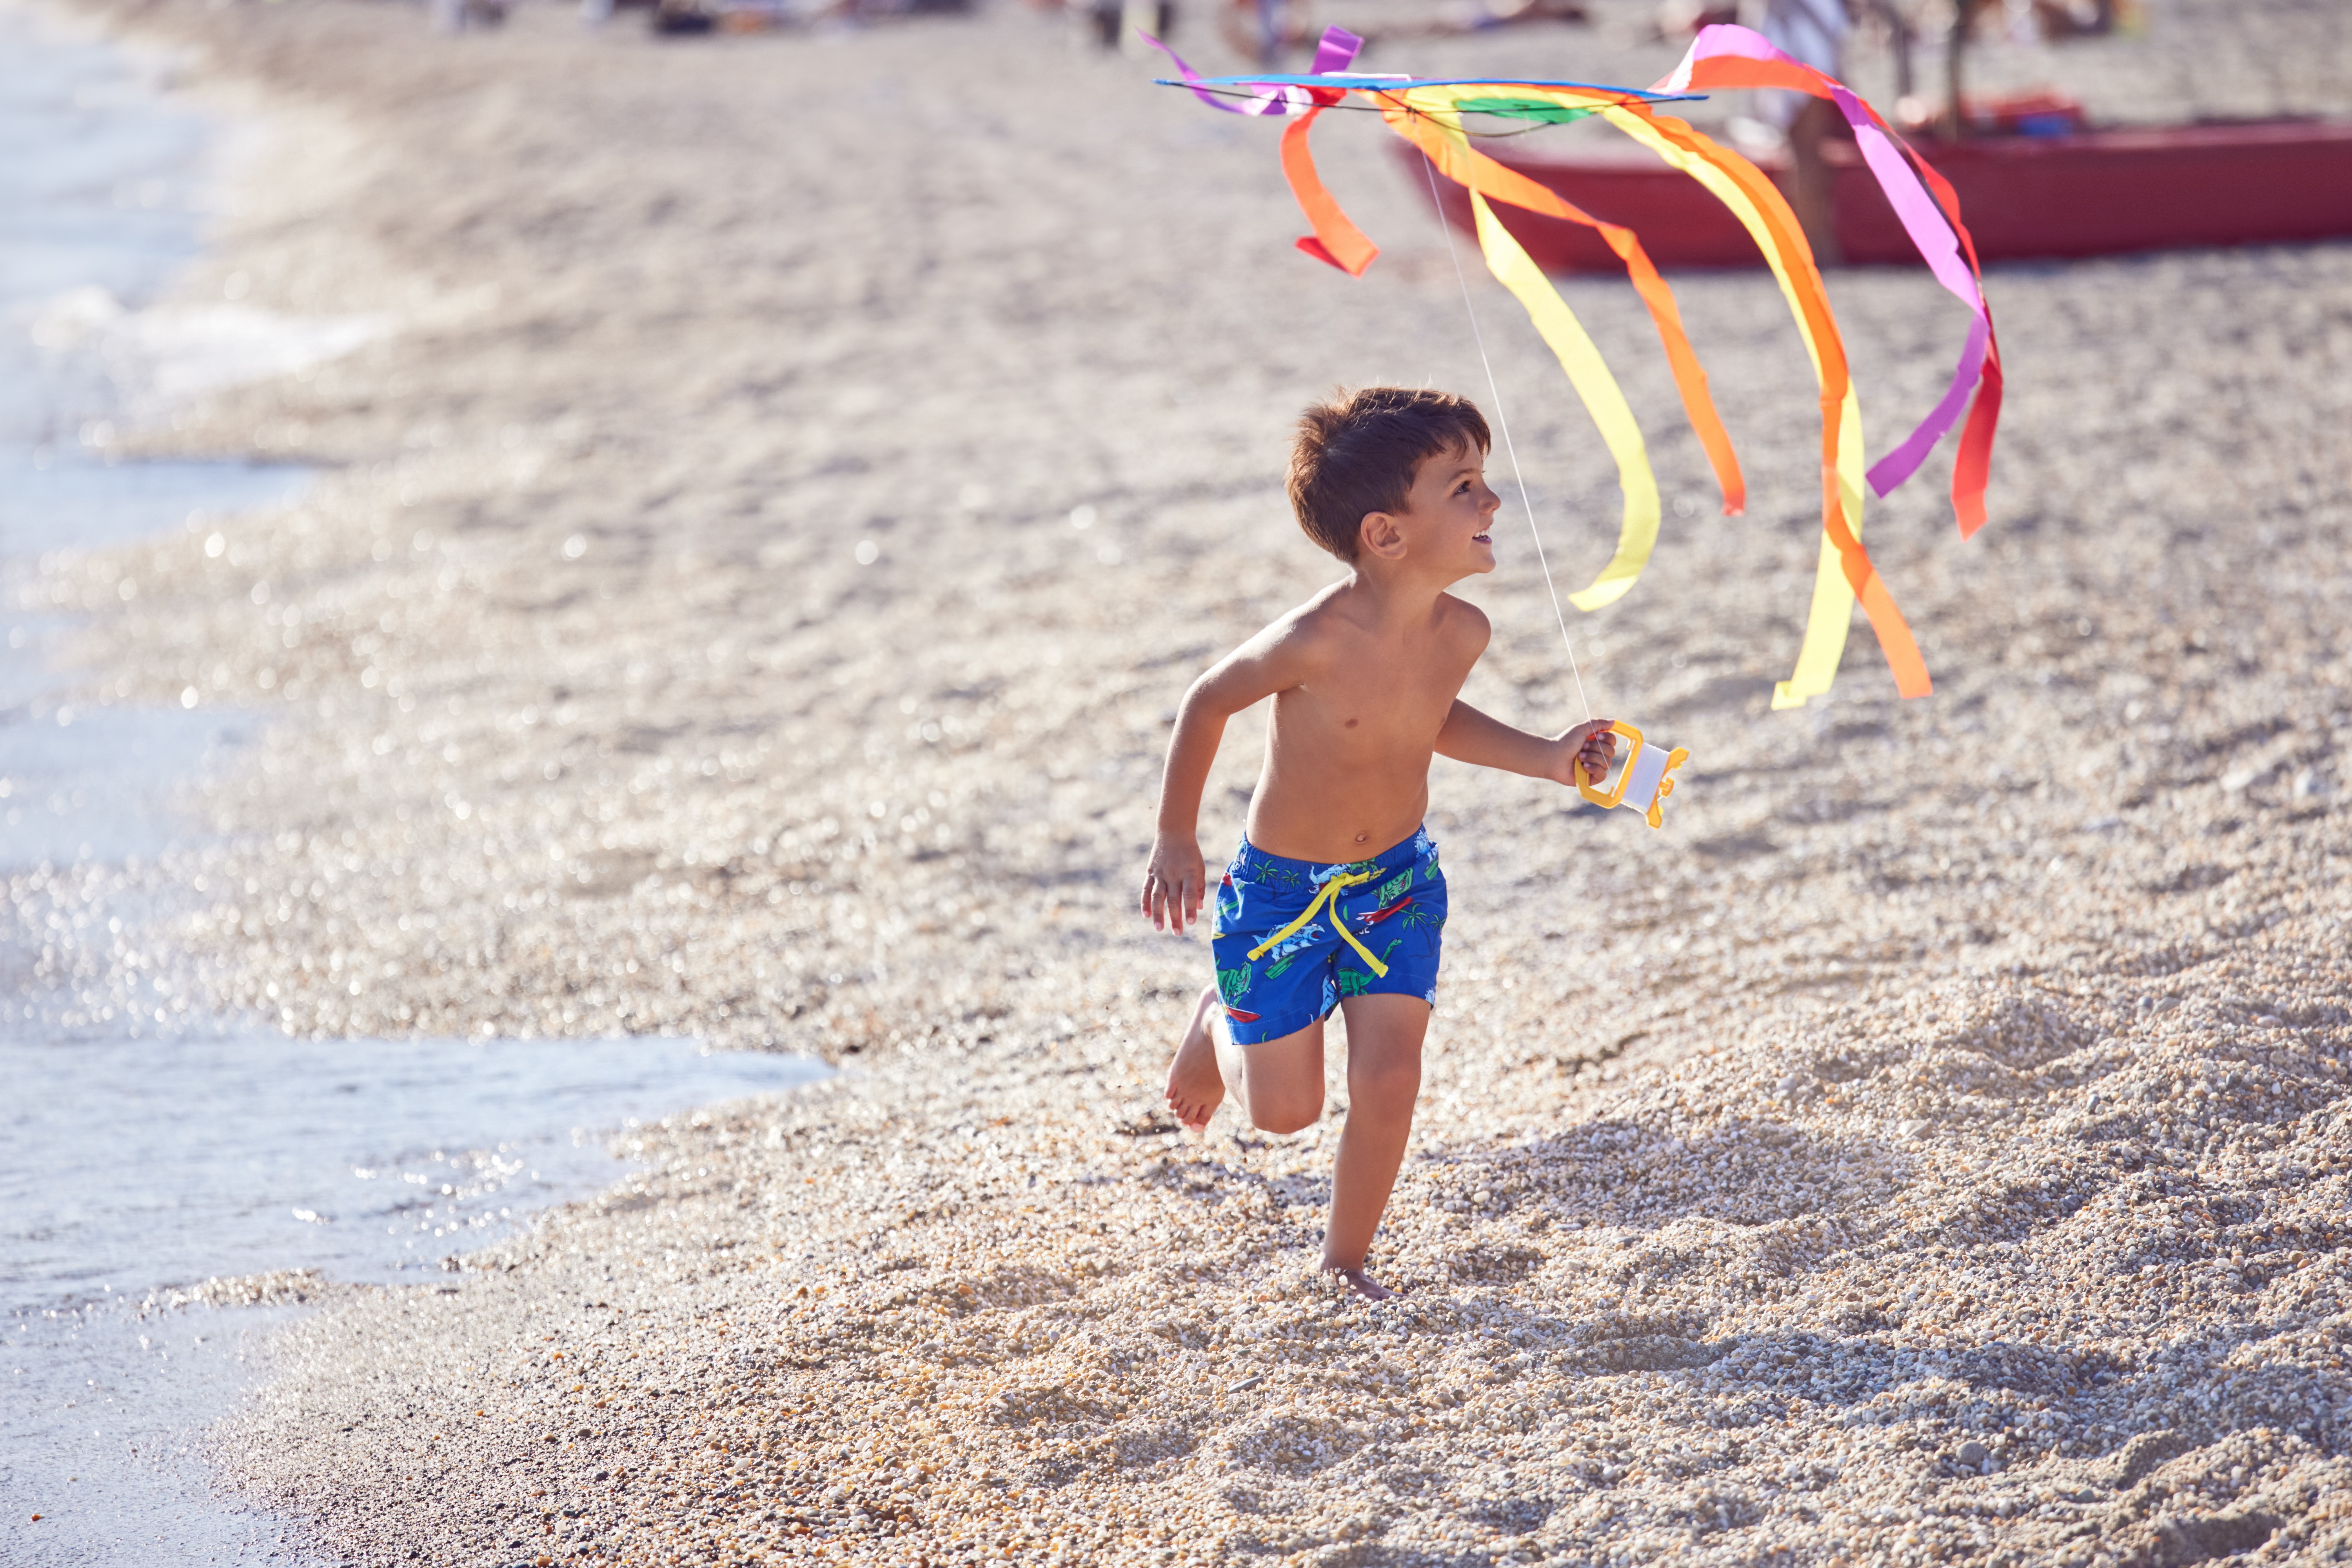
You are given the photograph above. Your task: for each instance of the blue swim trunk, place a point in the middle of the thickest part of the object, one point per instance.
(1295, 938)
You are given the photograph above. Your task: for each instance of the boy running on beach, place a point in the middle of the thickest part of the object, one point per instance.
(1334, 898)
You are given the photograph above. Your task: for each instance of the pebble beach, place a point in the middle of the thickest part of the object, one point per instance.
(785, 485)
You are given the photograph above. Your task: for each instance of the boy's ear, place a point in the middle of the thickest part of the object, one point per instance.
(1379, 534)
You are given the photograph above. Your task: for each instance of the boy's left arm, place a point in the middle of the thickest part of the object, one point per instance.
(1469, 736)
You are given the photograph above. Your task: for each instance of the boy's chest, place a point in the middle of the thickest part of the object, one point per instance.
(1381, 702)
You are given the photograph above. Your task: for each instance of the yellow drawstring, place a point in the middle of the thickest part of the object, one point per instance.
(1330, 894)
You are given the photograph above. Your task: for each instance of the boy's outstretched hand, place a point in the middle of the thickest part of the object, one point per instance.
(1174, 881)
(1589, 750)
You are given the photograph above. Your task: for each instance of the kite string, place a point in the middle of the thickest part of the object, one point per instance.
(1503, 423)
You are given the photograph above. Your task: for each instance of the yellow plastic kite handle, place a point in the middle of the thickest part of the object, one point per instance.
(1596, 797)
(1656, 781)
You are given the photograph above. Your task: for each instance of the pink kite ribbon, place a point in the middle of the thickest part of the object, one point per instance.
(1334, 54)
(1741, 57)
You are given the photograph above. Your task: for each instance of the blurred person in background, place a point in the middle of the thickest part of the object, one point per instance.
(1259, 30)
(1814, 32)
(1797, 123)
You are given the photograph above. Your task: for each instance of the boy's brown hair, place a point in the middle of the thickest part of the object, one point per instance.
(1357, 454)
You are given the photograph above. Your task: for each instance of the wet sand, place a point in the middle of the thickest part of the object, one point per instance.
(1931, 1146)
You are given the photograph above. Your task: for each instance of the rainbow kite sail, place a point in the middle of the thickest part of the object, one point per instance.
(1429, 114)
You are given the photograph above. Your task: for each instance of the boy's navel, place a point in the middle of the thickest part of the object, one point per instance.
(1351, 724)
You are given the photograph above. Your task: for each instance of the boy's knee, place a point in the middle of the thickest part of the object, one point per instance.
(1284, 1115)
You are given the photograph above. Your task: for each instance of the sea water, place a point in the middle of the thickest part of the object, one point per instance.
(145, 1149)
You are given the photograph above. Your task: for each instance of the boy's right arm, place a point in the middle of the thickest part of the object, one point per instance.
(1175, 880)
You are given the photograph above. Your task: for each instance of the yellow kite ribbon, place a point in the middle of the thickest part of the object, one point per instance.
(1637, 534)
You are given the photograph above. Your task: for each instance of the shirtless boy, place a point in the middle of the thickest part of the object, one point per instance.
(1334, 898)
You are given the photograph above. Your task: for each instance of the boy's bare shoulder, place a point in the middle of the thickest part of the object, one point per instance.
(1468, 621)
(1311, 628)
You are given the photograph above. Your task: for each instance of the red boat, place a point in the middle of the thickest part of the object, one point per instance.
(2087, 193)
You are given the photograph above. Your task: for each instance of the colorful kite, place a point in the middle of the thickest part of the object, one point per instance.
(1429, 115)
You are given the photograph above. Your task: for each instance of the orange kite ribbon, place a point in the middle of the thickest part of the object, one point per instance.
(1335, 239)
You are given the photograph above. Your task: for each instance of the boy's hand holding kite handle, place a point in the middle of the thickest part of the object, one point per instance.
(1646, 782)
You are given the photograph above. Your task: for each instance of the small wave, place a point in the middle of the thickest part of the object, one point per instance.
(170, 354)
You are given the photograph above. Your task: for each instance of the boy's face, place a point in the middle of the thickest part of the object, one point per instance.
(1448, 519)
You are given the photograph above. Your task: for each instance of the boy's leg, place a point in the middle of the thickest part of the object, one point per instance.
(1384, 1035)
(1278, 1083)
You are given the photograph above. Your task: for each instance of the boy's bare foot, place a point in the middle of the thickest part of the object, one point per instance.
(1195, 1087)
(1363, 1284)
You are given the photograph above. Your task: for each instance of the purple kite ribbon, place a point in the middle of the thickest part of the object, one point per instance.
(1921, 219)
(1337, 51)
(1939, 247)
(1333, 54)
